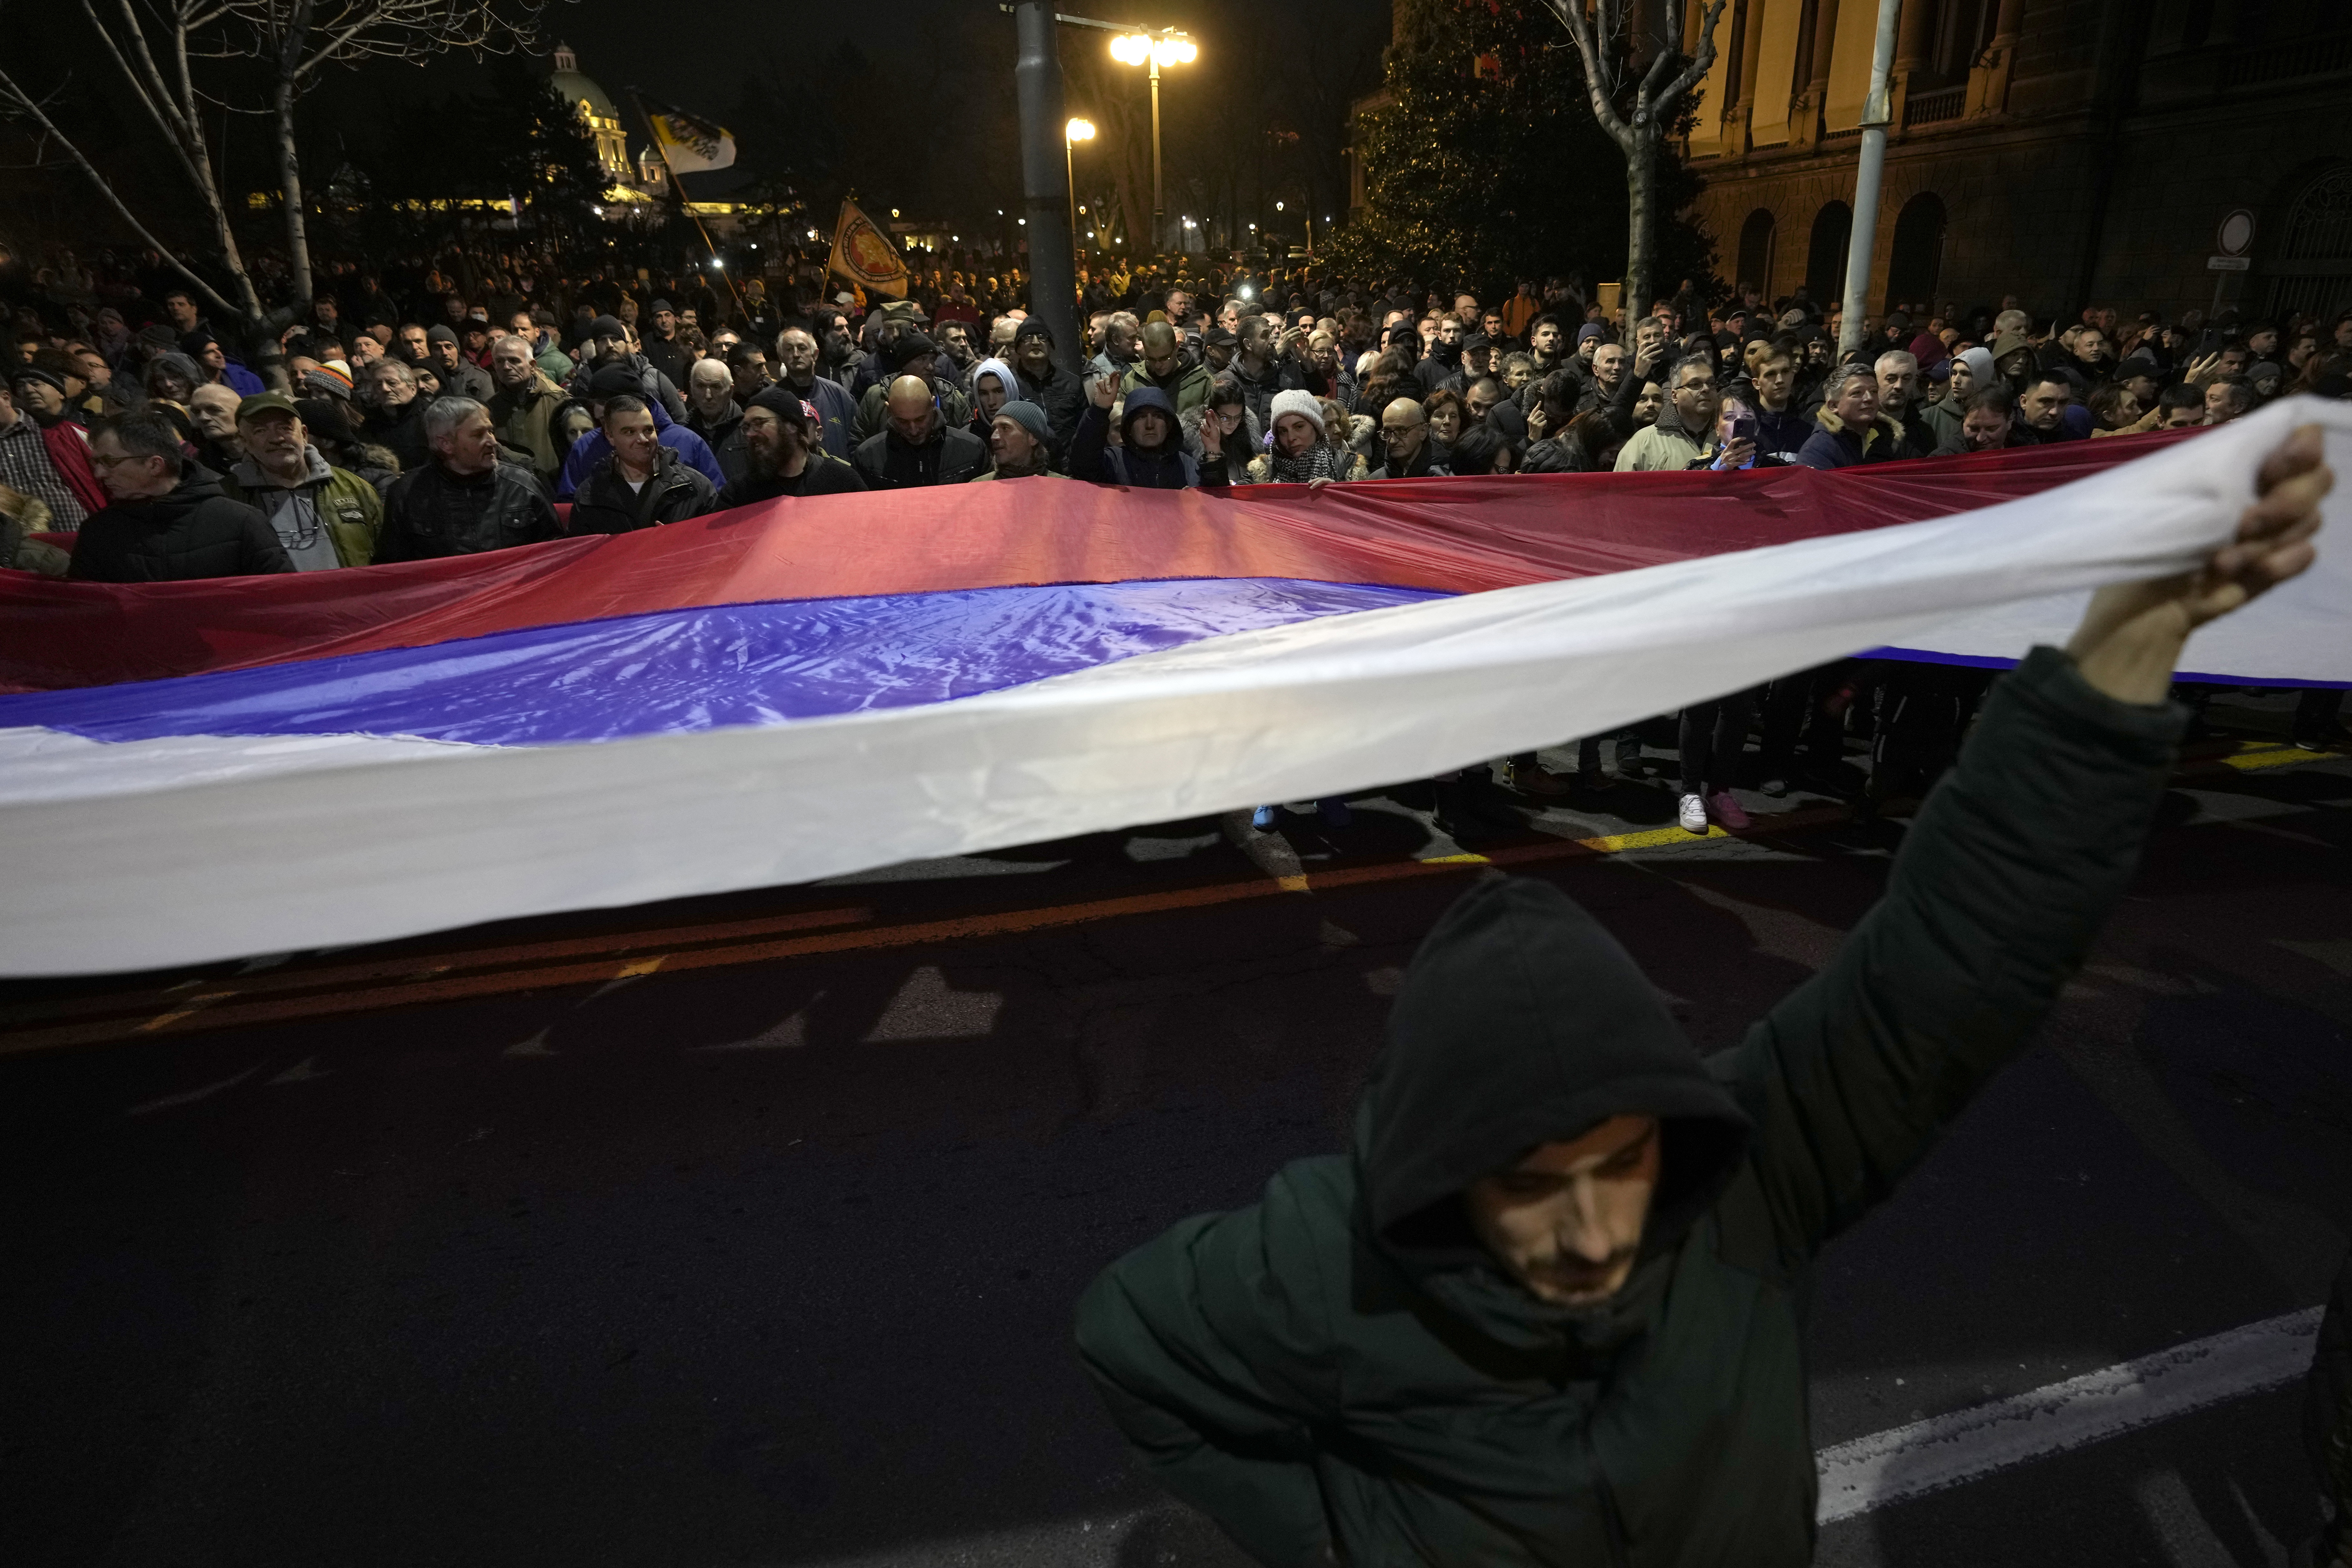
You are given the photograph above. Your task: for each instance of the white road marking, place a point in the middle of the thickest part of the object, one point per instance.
(536, 1045)
(787, 1034)
(191, 1096)
(1911, 1461)
(302, 1071)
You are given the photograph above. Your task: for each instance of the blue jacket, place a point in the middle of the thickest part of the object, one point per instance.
(837, 412)
(593, 448)
(1836, 446)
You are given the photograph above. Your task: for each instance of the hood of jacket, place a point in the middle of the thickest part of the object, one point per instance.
(315, 470)
(1980, 363)
(1005, 376)
(1138, 399)
(1523, 1022)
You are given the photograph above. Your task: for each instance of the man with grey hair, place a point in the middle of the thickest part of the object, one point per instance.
(712, 413)
(523, 406)
(464, 500)
(212, 409)
(1121, 346)
(394, 413)
(1898, 402)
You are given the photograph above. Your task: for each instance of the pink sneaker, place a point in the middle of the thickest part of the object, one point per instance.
(1726, 811)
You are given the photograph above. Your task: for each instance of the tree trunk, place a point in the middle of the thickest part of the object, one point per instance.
(1641, 178)
(289, 181)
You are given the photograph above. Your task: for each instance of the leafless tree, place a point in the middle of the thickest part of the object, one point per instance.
(152, 50)
(154, 47)
(298, 39)
(1627, 47)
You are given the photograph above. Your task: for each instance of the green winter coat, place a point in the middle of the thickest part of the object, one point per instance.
(1339, 1372)
(1188, 389)
(349, 507)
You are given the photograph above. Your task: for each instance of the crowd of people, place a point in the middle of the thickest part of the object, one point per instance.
(407, 417)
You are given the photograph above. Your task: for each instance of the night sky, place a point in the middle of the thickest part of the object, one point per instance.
(910, 102)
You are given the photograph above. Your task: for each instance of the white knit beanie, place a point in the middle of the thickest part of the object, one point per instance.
(1303, 404)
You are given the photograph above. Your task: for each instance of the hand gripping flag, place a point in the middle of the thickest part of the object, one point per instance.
(688, 142)
(813, 687)
(864, 254)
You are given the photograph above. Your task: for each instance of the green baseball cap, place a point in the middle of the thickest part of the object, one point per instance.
(264, 401)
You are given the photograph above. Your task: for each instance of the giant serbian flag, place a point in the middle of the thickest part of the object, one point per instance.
(811, 687)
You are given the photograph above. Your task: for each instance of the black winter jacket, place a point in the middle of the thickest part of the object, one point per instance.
(606, 504)
(429, 512)
(1170, 467)
(1342, 1372)
(1061, 396)
(724, 436)
(887, 461)
(192, 531)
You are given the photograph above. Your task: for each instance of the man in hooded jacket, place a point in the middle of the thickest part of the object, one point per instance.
(1552, 1306)
(1151, 453)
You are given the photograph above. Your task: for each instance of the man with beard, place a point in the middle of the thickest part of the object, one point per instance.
(459, 376)
(1551, 1305)
(611, 342)
(1440, 369)
(798, 352)
(836, 355)
(780, 456)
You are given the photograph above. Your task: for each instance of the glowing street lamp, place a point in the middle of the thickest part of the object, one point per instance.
(1169, 49)
(1076, 132)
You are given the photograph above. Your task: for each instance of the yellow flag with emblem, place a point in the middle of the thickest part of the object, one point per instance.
(864, 254)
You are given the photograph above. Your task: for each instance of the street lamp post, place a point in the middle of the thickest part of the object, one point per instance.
(1142, 49)
(1077, 131)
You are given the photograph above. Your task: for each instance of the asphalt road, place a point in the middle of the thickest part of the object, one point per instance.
(773, 1261)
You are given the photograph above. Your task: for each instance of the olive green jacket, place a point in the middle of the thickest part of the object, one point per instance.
(348, 505)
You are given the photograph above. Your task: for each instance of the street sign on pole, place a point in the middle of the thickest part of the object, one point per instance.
(2228, 263)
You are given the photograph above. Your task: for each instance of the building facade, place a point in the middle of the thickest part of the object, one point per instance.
(2064, 151)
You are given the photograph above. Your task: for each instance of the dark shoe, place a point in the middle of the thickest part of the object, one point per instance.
(1471, 809)
(1535, 779)
(1334, 813)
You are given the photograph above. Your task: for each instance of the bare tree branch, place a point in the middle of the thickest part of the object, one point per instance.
(27, 105)
(1604, 50)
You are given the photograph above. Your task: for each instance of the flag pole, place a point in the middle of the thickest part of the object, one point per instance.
(687, 207)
